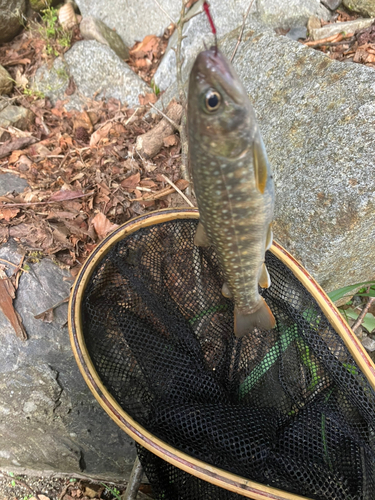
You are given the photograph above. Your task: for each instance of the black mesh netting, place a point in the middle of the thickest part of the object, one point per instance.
(288, 408)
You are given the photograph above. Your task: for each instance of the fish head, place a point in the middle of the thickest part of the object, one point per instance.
(220, 115)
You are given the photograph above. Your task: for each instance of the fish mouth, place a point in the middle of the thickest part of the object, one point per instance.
(214, 68)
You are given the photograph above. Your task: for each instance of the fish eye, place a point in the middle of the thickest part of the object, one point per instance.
(212, 100)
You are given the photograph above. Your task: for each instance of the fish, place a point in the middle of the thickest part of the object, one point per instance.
(233, 184)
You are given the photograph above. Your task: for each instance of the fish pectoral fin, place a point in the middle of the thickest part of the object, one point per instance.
(201, 238)
(269, 237)
(262, 318)
(226, 292)
(264, 277)
(261, 165)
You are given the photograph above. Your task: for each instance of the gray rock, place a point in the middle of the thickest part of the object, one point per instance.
(290, 13)
(364, 7)
(133, 19)
(227, 15)
(316, 127)
(10, 182)
(49, 420)
(95, 29)
(368, 344)
(11, 18)
(16, 116)
(331, 4)
(6, 82)
(335, 28)
(297, 33)
(96, 69)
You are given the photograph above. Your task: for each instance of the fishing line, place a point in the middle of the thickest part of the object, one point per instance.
(206, 8)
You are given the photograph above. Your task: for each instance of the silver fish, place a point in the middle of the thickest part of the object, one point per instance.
(233, 184)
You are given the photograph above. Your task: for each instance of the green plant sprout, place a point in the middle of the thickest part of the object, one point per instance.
(115, 492)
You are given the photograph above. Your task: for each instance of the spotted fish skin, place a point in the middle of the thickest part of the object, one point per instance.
(233, 183)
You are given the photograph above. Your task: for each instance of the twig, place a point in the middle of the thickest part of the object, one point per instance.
(64, 490)
(128, 120)
(334, 38)
(55, 306)
(174, 124)
(363, 314)
(6, 205)
(166, 13)
(178, 190)
(241, 32)
(14, 265)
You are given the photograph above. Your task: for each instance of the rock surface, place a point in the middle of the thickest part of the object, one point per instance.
(133, 19)
(11, 12)
(95, 29)
(228, 16)
(317, 128)
(346, 27)
(6, 82)
(95, 69)
(16, 116)
(49, 419)
(10, 182)
(364, 7)
(331, 4)
(290, 13)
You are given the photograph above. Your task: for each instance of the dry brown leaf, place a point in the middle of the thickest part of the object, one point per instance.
(100, 134)
(82, 120)
(8, 213)
(102, 225)
(64, 195)
(146, 99)
(19, 143)
(131, 182)
(148, 44)
(7, 294)
(13, 158)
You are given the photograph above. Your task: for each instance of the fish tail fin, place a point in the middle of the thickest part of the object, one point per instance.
(261, 318)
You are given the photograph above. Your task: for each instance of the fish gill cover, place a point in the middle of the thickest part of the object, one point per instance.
(288, 407)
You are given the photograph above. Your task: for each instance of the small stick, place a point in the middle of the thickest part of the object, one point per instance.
(128, 120)
(14, 265)
(166, 13)
(61, 302)
(174, 124)
(178, 190)
(363, 314)
(6, 205)
(21, 483)
(334, 38)
(148, 190)
(241, 32)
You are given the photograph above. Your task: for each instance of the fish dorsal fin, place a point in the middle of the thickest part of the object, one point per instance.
(261, 165)
(264, 277)
(269, 237)
(201, 238)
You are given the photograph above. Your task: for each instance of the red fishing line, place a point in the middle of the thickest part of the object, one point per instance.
(208, 14)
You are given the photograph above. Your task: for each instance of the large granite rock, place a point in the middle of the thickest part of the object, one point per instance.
(95, 69)
(49, 419)
(133, 19)
(316, 118)
(316, 127)
(228, 16)
(290, 13)
(364, 7)
(11, 18)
